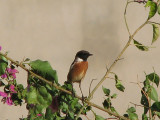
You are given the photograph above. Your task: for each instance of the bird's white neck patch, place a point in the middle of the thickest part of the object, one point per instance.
(79, 59)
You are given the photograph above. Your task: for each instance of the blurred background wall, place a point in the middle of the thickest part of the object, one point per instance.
(55, 30)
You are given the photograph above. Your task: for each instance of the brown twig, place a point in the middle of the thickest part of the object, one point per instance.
(138, 105)
(91, 85)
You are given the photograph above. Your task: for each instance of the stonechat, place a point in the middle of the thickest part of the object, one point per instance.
(78, 68)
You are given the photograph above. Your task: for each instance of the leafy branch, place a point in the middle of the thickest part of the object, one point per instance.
(44, 93)
(61, 89)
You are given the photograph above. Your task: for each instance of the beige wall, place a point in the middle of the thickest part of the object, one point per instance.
(55, 30)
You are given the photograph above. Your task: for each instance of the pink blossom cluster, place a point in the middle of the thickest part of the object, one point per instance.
(10, 72)
(7, 96)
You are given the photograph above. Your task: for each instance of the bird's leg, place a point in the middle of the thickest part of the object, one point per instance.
(81, 93)
(73, 94)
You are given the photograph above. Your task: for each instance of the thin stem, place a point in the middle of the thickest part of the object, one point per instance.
(125, 19)
(139, 105)
(150, 22)
(114, 63)
(61, 89)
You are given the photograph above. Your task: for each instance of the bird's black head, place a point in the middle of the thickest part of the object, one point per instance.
(83, 54)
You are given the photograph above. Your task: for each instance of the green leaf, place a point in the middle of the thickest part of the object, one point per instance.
(49, 114)
(32, 95)
(152, 93)
(24, 93)
(153, 8)
(39, 108)
(158, 9)
(133, 116)
(155, 32)
(144, 102)
(44, 69)
(154, 78)
(146, 83)
(106, 91)
(114, 95)
(107, 103)
(64, 107)
(157, 113)
(140, 46)
(42, 91)
(119, 85)
(144, 117)
(113, 109)
(131, 110)
(74, 102)
(155, 107)
(3, 64)
(98, 117)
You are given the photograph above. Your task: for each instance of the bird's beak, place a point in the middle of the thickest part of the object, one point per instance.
(90, 54)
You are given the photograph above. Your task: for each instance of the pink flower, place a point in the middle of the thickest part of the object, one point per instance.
(0, 48)
(6, 99)
(12, 89)
(39, 115)
(4, 76)
(12, 72)
(3, 94)
(9, 101)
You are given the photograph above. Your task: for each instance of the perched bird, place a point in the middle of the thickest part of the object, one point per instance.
(78, 68)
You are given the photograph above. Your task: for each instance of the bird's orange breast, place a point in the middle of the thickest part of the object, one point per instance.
(77, 71)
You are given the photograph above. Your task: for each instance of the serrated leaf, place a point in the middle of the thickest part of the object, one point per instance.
(153, 8)
(140, 46)
(155, 32)
(98, 117)
(153, 77)
(3, 64)
(32, 95)
(44, 69)
(152, 93)
(43, 91)
(106, 91)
